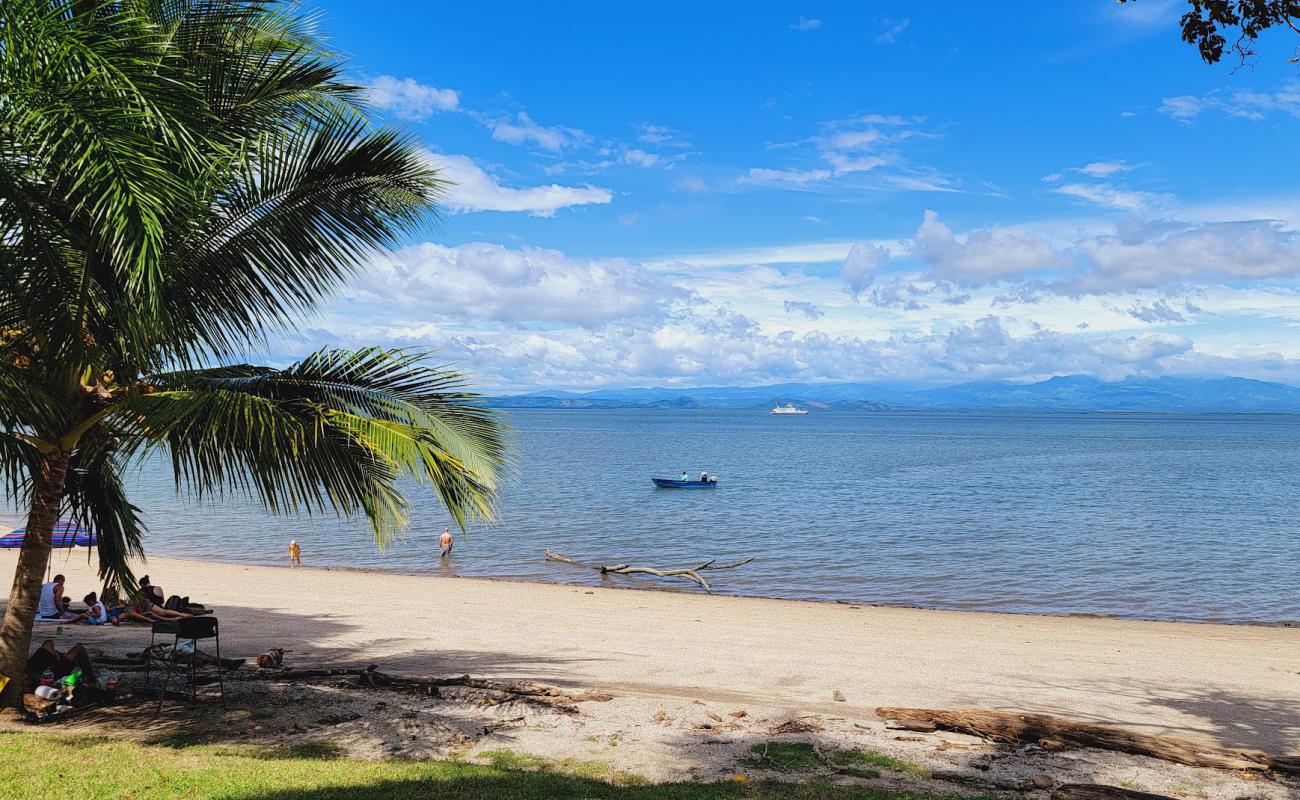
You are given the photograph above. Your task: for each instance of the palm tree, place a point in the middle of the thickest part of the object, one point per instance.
(179, 181)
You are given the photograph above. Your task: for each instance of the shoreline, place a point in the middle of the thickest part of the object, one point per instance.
(1236, 685)
(626, 584)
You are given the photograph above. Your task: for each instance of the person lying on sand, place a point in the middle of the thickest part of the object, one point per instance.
(60, 665)
(144, 609)
(163, 653)
(173, 603)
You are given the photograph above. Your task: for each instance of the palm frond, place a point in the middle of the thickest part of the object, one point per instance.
(337, 431)
(96, 500)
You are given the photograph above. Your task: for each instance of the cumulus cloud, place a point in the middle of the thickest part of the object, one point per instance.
(409, 99)
(481, 281)
(1135, 254)
(862, 265)
(806, 24)
(726, 348)
(982, 256)
(1155, 254)
(476, 190)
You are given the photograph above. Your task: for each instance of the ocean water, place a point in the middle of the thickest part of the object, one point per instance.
(1151, 516)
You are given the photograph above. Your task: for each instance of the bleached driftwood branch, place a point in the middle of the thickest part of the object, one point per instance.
(689, 573)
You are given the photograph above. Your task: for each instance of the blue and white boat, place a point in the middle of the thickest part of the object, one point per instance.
(673, 483)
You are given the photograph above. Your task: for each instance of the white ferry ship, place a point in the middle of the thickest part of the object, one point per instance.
(789, 408)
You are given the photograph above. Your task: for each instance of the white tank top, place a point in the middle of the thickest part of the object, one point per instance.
(100, 612)
(46, 607)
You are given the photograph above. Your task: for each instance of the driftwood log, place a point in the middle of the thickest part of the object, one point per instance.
(688, 573)
(1059, 733)
(1097, 791)
(554, 698)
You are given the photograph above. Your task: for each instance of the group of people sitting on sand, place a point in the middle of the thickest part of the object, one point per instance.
(147, 604)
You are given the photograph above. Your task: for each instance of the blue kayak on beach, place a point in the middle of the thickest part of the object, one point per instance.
(673, 483)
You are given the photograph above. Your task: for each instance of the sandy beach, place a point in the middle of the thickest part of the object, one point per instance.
(1236, 686)
(697, 680)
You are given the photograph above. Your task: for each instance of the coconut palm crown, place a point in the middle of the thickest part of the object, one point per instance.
(179, 181)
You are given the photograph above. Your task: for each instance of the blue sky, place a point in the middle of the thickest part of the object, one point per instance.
(735, 193)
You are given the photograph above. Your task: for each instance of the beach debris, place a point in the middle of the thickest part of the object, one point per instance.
(489, 692)
(837, 696)
(271, 659)
(739, 714)
(688, 573)
(917, 726)
(1054, 733)
(1097, 791)
(796, 725)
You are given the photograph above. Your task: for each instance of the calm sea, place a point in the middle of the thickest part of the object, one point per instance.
(1175, 517)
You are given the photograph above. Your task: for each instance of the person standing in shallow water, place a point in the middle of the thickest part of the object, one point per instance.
(295, 553)
(446, 541)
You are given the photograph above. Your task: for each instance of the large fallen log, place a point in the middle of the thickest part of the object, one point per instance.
(1097, 791)
(541, 694)
(1057, 733)
(689, 573)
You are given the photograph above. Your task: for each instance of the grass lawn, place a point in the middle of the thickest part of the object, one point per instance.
(48, 764)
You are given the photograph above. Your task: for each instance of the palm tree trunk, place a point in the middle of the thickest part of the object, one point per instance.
(16, 632)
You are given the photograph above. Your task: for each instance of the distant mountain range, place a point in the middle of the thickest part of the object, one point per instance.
(1069, 393)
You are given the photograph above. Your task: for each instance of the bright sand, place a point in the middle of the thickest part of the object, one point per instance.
(1238, 685)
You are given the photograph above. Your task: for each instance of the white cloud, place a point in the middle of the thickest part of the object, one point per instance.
(409, 99)
(982, 256)
(1154, 254)
(806, 24)
(893, 28)
(1104, 169)
(1184, 107)
(476, 190)
(1243, 104)
(640, 158)
(1109, 196)
(480, 281)
(661, 136)
(523, 130)
(802, 253)
(791, 177)
(862, 265)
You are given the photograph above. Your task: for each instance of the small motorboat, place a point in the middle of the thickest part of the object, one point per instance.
(674, 483)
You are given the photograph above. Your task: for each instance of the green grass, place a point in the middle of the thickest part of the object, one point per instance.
(50, 764)
(803, 757)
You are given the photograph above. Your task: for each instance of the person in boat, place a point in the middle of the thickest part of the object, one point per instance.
(704, 477)
(685, 477)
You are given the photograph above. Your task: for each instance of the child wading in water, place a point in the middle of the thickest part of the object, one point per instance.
(295, 553)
